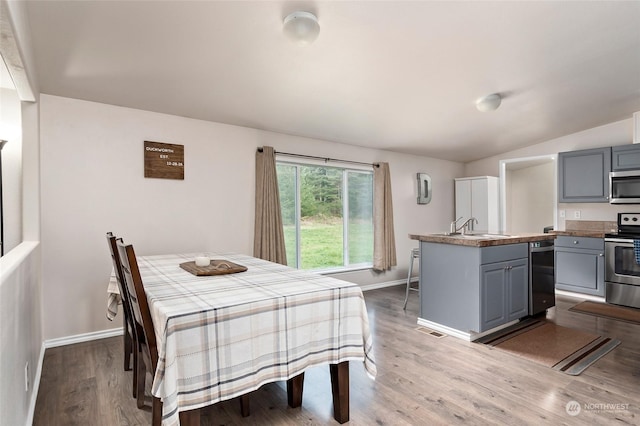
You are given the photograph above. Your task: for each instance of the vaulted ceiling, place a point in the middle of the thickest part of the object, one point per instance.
(393, 75)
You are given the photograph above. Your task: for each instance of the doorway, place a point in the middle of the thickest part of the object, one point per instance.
(10, 163)
(528, 194)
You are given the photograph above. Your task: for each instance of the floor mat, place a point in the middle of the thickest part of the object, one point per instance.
(621, 313)
(561, 348)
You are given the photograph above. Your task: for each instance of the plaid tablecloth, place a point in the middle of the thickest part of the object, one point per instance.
(222, 336)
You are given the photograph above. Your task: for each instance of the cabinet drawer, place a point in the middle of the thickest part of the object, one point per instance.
(503, 253)
(589, 243)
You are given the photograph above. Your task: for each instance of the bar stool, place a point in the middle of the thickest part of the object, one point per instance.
(415, 254)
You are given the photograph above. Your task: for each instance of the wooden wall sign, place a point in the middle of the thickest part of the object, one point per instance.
(163, 160)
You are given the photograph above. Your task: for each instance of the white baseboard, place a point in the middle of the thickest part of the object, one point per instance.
(581, 296)
(35, 388)
(444, 329)
(52, 343)
(375, 286)
(85, 337)
(469, 337)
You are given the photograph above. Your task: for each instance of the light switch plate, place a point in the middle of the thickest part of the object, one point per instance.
(562, 213)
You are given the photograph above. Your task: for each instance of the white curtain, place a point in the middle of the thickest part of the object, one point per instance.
(384, 240)
(268, 237)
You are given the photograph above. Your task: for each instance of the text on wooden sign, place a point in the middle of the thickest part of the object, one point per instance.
(163, 160)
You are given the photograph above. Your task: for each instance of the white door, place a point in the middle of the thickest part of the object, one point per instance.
(463, 200)
(480, 204)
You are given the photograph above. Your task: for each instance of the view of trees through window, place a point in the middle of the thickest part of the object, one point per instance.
(323, 227)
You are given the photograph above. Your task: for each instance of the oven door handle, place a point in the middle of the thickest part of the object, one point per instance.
(620, 241)
(540, 249)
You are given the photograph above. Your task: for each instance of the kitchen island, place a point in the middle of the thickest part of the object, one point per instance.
(472, 285)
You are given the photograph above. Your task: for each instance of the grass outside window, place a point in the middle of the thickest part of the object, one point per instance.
(316, 212)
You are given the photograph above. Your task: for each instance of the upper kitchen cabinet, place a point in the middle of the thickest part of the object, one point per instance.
(583, 176)
(625, 157)
(478, 197)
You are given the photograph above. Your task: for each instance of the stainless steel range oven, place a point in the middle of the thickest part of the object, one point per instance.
(622, 272)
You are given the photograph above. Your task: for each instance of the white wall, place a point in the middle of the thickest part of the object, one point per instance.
(530, 198)
(617, 133)
(20, 331)
(10, 130)
(92, 182)
(21, 336)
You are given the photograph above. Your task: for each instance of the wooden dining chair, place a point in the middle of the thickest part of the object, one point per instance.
(145, 335)
(129, 335)
(148, 351)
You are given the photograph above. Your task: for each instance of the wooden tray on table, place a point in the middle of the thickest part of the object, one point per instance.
(217, 267)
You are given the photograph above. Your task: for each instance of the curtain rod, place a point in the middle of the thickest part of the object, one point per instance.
(326, 159)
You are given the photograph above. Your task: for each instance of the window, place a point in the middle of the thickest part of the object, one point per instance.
(327, 213)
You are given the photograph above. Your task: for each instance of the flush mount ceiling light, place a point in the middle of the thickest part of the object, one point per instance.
(489, 102)
(301, 27)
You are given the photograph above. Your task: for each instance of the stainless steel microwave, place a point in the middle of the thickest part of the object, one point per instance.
(624, 187)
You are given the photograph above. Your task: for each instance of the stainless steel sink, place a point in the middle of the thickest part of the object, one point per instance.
(473, 236)
(485, 236)
(477, 236)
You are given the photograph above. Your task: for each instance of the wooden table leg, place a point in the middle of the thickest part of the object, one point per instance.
(190, 418)
(294, 390)
(245, 405)
(340, 390)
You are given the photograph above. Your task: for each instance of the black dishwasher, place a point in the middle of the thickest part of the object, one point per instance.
(541, 276)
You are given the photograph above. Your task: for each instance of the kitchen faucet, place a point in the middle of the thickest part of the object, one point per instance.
(453, 229)
(465, 226)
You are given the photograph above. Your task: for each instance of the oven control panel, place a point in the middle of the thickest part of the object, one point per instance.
(629, 222)
(629, 219)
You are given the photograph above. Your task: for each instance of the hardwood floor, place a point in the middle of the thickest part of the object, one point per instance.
(422, 380)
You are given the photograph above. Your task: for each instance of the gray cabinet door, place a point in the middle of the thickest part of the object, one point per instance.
(625, 157)
(493, 292)
(517, 289)
(580, 271)
(583, 176)
(504, 291)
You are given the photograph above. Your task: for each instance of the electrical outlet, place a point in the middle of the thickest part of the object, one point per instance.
(562, 213)
(576, 214)
(26, 377)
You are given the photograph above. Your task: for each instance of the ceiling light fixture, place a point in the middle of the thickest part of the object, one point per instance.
(301, 27)
(489, 102)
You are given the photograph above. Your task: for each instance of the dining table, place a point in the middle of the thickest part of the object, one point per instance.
(223, 336)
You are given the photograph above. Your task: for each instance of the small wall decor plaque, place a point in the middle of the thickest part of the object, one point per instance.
(163, 160)
(424, 188)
